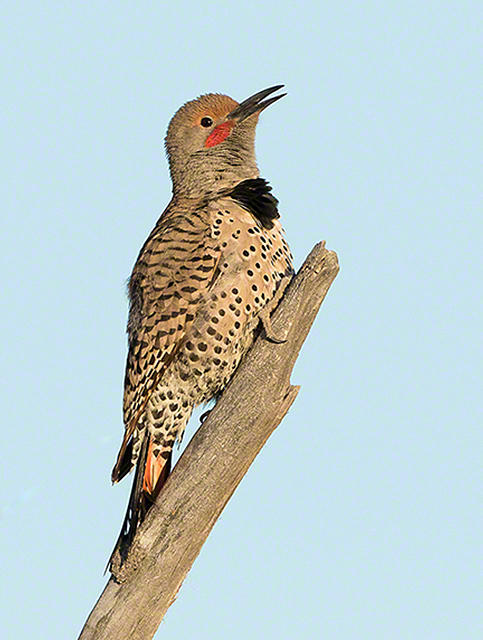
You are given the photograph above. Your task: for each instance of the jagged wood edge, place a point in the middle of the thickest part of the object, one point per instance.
(134, 603)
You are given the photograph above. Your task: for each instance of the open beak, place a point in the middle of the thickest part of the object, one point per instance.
(255, 104)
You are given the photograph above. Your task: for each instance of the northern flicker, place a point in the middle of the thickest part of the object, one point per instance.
(208, 275)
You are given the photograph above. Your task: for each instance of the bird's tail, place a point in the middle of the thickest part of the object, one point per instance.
(150, 475)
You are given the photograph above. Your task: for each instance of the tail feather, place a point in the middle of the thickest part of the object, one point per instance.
(123, 464)
(155, 471)
(150, 475)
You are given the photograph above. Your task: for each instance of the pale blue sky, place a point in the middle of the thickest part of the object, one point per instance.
(359, 519)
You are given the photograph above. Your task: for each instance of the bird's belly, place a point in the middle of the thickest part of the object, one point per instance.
(214, 346)
(225, 323)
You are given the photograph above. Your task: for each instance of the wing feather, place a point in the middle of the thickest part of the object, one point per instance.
(173, 273)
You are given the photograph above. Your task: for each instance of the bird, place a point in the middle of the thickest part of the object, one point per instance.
(205, 282)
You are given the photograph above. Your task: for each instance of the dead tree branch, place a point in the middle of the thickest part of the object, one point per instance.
(254, 403)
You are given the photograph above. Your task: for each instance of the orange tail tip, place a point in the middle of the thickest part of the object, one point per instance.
(151, 474)
(153, 470)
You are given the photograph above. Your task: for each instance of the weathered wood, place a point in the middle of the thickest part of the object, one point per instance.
(213, 464)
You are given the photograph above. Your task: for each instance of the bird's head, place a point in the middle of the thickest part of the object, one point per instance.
(211, 142)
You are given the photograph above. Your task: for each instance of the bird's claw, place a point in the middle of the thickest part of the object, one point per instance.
(204, 415)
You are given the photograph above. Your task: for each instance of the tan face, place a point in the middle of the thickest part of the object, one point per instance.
(211, 142)
(201, 124)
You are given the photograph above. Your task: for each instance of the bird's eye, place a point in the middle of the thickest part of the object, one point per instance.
(206, 122)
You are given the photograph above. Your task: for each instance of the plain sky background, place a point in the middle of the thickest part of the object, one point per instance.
(359, 519)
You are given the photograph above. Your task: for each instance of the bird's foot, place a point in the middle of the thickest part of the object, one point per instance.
(204, 415)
